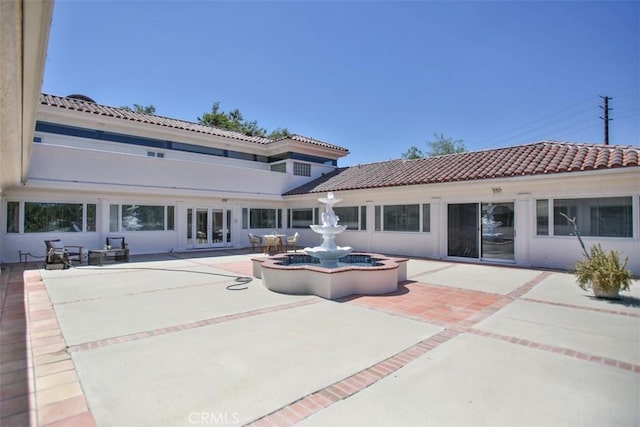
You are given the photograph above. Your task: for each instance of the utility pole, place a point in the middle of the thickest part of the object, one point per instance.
(606, 118)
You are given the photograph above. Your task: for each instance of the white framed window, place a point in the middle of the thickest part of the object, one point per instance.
(279, 167)
(426, 218)
(542, 217)
(50, 217)
(350, 216)
(131, 217)
(261, 218)
(595, 217)
(402, 217)
(301, 217)
(301, 169)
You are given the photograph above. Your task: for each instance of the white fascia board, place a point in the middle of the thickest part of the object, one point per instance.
(593, 183)
(98, 189)
(286, 145)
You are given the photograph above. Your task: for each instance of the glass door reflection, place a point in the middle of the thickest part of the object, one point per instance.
(202, 227)
(498, 235)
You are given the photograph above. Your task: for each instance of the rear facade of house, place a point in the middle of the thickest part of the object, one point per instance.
(168, 185)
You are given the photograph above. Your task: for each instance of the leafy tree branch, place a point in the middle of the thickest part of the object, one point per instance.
(440, 146)
(235, 121)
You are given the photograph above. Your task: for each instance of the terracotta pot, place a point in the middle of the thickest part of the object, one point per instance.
(600, 292)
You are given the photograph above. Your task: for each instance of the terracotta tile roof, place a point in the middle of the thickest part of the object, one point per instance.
(540, 158)
(104, 110)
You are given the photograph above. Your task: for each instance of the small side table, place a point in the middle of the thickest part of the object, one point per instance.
(96, 256)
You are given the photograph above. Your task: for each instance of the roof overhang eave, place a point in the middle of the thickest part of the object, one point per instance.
(26, 25)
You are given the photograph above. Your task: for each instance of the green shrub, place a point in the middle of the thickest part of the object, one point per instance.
(604, 269)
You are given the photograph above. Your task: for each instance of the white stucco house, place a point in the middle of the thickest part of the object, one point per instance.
(81, 171)
(170, 185)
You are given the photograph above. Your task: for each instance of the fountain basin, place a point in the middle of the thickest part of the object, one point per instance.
(328, 257)
(328, 229)
(357, 273)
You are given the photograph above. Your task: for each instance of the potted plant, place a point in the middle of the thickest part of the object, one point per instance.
(602, 271)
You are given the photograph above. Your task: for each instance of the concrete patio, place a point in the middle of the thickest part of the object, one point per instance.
(166, 341)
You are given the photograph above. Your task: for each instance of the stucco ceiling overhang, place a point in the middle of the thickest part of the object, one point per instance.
(23, 45)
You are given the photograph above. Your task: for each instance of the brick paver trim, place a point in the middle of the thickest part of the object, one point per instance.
(185, 326)
(308, 405)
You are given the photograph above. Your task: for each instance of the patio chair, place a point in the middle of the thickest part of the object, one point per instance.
(120, 247)
(272, 242)
(59, 255)
(256, 242)
(292, 241)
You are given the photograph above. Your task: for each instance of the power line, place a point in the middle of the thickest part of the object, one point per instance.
(550, 126)
(627, 102)
(568, 120)
(534, 125)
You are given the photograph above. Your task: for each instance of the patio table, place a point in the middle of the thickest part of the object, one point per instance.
(97, 256)
(265, 239)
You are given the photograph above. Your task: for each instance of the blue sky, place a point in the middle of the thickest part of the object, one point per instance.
(376, 77)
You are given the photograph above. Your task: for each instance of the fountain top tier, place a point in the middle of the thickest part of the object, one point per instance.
(329, 217)
(328, 253)
(329, 200)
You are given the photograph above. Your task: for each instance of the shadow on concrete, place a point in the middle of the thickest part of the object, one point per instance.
(623, 300)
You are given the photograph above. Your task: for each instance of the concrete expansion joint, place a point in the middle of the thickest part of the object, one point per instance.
(304, 407)
(559, 350)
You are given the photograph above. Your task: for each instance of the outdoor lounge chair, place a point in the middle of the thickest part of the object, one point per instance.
(58, 255)
(256, 242)
(119, 247)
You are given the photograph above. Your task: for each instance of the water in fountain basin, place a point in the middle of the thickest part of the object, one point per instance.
(346, 261)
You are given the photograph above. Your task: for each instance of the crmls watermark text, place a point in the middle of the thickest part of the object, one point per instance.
(214, 418)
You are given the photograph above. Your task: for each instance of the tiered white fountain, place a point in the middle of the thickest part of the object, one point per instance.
(328, 253)
(330, 271)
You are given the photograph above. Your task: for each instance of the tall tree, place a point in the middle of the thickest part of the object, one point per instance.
(413, 153)
(279, 133)
(234, 121)
(216, 118)
(442, 145)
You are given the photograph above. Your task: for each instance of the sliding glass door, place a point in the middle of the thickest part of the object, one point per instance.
(497, 231)
(481, 230)
(463, 230)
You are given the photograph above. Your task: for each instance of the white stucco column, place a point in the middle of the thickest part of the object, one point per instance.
(438, 227)
(180, 218)
(103, 220)
(371, 223)
(237, 237)
(524, 228)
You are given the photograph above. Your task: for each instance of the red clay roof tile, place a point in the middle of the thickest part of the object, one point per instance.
(546, 157)
(120, 113)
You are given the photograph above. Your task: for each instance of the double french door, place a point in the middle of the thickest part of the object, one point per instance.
(208, 227)
(481, 230)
